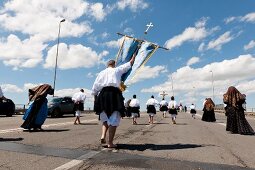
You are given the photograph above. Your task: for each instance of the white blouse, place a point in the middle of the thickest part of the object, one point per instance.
(152, 101)
(134, 103)
(109, 77)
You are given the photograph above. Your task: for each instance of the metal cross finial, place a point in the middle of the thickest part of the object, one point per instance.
(148, 27)
(164, 94)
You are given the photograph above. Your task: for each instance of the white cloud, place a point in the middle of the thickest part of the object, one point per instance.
(193, 60)
(18, 53)
(11, 88)
(97, 11)
(225, 74)
(73, 56)
(133, 5)
(250, 45)
(147, 72)
(249, 17)
(114, 43)
(196, 33)
(41, 18)
(90, 75)
(221, 40)
(229, 19)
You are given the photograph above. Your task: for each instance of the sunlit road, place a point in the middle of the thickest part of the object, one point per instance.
(190, 144)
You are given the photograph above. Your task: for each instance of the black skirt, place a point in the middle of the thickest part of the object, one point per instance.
(209, 116)
(173, 111)
(79, 106)
(134, 109)
(163, 108)
(110, 99)
(236, 121)
(193, 111)
(151, 109)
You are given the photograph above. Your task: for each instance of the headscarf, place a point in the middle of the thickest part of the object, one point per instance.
(233, 97)
(209, 104)
(40, 91)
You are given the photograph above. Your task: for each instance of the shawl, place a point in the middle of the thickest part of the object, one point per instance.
(40, 91)
(233, 97)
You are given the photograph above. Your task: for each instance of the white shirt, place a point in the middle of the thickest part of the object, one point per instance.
(1, 92)
(192, 107)
(152, 101)
(172, 104)
(110, 77)
(134, 103)
(79, 97)
(163, 103)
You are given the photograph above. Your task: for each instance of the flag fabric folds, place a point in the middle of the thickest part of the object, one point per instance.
(131, 46)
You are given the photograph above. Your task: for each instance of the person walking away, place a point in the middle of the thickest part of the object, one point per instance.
(172, 106)
(193, 110)
(134, 109)
(78, 99)
(209, 115)
(163, 107)
(151, 108)
(236, 121)
(109, 101)
(38, 110)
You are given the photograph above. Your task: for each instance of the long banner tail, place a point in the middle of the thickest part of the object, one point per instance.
(131, 46)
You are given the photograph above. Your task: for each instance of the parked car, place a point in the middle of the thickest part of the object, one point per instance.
(58, 106)
(7, 107)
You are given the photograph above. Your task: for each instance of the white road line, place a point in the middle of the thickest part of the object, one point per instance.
(77, 161)
(44, 126)
(223, 124)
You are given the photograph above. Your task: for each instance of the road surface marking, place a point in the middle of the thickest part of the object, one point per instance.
(44, 126)
(77, 161)
(223, 124)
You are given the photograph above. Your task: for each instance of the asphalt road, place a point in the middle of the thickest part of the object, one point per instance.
(190, 144)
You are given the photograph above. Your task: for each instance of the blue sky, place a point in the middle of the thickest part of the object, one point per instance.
(201, 35)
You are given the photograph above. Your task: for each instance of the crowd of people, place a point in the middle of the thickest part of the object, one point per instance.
(109, 105)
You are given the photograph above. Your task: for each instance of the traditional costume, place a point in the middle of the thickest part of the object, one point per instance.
(163, 107)
(172, 106)
(209, 115)
(236, 122)
(38, 110)
(79, 99)
(193, 110)
(127, 108)
(109, 102)
(151, 108)
(134, 109)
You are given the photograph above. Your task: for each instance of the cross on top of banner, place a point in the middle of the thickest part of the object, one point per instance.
(148, 27)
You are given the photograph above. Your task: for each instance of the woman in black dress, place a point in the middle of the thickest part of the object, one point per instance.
(236, 122)
(209, 115)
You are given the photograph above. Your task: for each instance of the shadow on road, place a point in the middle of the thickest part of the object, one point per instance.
(47, 130)
(88, 124)
(10, 139)
(143, 147)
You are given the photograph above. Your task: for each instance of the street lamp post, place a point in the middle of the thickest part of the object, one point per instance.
(56, 63)
(172, 84)
(212, 85)
(194, 90)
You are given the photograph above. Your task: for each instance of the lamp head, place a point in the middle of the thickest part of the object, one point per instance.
(63, 20)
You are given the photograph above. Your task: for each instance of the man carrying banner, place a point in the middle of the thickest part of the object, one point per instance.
(109, 102)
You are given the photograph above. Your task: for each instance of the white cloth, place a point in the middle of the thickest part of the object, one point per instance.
(77, 113)
(134, 103)
(192, 107)
(1, 92)
(152, 101)
(134, 115)
(110, 77)
(151, 114)
(172, 104)
(79, 97)
(163, 103)
(113, 120)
